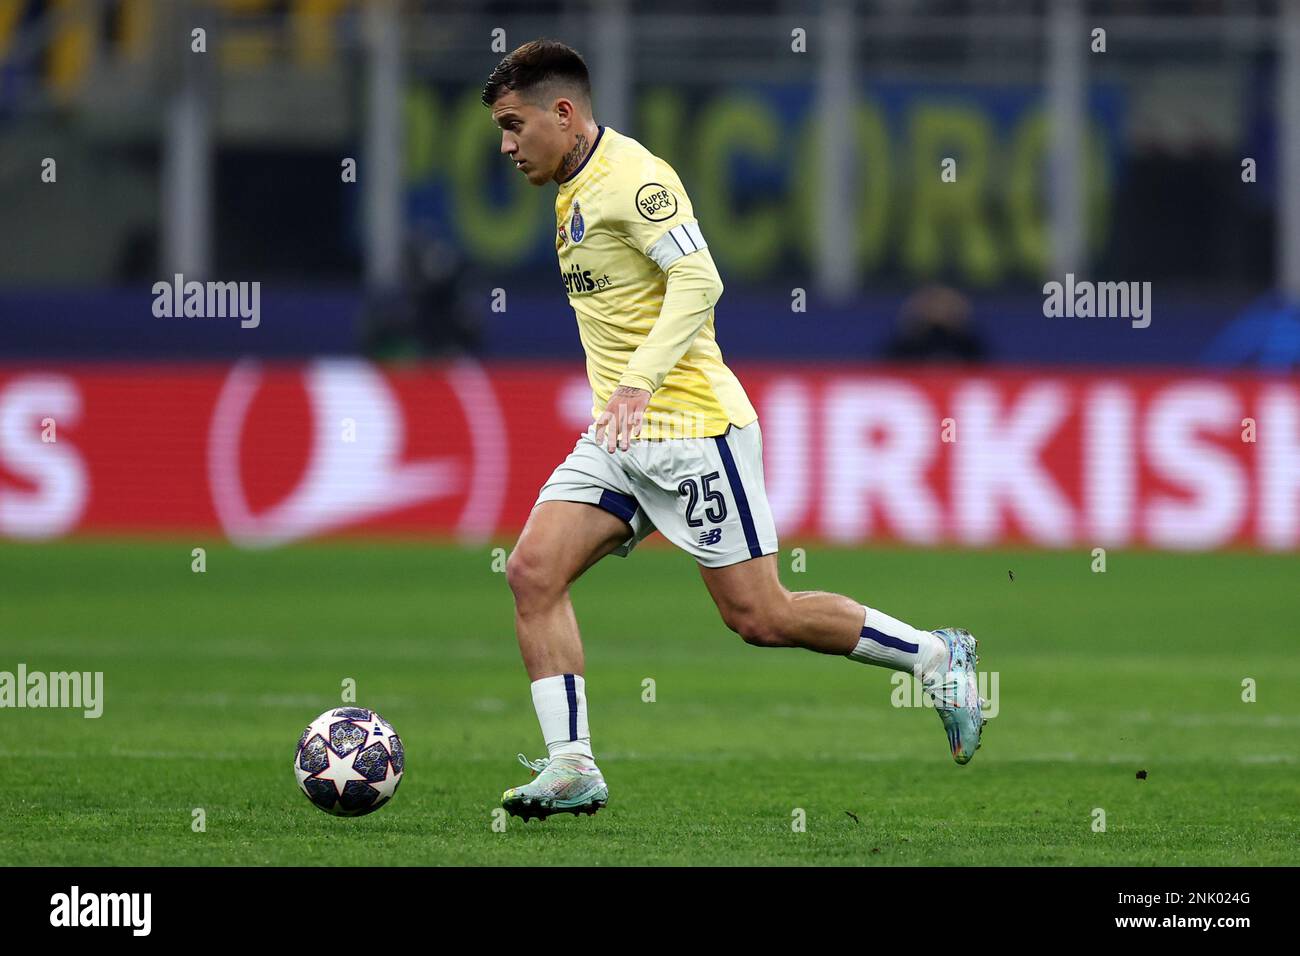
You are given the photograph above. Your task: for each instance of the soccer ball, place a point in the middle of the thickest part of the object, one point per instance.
(349, 761)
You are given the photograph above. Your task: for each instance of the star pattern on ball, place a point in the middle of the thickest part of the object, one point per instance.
(340, 770)
(388, 786)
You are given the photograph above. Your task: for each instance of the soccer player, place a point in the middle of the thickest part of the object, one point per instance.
(675, 444)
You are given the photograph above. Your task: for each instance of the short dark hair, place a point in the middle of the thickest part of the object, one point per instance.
(534, 64)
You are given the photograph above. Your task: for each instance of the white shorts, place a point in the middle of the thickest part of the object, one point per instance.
(705, 495)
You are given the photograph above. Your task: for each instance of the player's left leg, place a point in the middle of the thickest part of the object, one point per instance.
(755, 605)
(707, 496)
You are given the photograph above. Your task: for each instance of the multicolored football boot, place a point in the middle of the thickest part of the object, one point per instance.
(956, 693)
(563, 784)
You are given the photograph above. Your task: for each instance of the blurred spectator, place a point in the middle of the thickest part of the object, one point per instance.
(430, 315)
(934, 325)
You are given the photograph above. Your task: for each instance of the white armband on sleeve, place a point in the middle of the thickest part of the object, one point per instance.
(677, 242)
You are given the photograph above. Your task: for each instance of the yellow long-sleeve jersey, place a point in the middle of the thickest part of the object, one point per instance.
(643, 285)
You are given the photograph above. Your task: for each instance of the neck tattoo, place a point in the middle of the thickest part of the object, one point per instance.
(574, 157)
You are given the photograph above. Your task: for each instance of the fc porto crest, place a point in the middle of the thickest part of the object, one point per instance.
(577, 228)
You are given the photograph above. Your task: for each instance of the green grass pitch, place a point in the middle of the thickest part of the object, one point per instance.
(209, 679)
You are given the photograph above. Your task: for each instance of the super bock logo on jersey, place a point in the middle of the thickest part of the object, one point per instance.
(577, 228)
(656, 202)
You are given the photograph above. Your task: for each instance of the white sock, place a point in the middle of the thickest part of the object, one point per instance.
(889, 642)
(561, 704)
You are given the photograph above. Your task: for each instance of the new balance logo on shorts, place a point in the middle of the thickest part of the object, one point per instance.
(712, 536)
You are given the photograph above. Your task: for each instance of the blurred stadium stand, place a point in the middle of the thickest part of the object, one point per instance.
(228, 165)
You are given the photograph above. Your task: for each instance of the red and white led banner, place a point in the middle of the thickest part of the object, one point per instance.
(267, 454)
